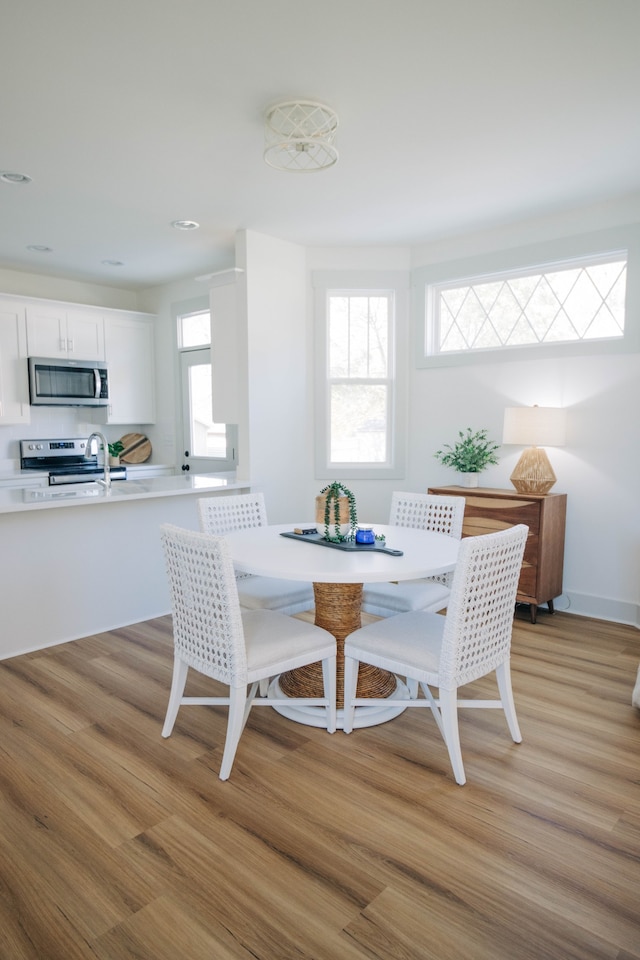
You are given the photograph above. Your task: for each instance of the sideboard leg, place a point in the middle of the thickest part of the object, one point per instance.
(533, 612)
(550, 605)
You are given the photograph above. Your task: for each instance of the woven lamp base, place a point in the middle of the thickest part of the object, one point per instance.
(533, 472)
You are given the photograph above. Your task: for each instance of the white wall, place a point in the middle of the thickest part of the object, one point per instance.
(372, 496)
(598, 468)
(162, 301)
(275, 394)
(279, 388)
(73, 291)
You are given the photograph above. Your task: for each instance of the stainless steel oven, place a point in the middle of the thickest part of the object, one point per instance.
(64, 461)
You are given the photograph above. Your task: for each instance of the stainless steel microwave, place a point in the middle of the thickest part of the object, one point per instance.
(57, 382)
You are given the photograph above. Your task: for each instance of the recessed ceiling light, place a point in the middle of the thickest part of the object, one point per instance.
(185, 224)
(39, 248)
(8, 177)
(113, 263)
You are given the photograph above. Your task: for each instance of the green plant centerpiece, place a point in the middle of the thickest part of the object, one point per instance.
(470, 454)
(116, 448)
(337, 504)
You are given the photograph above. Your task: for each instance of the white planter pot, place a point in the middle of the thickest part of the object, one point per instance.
(343, 517)
(469, 479)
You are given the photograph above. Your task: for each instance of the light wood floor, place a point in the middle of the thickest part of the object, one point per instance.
(117, 844)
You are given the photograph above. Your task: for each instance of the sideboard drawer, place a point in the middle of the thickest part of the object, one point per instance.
(488, 514)
(489, 509)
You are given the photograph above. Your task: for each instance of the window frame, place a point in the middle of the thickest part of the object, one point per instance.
(361, 283)
(540, 257)
(201, 464)
(180, 316)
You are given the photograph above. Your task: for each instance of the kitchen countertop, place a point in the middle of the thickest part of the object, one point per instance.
(14, 500)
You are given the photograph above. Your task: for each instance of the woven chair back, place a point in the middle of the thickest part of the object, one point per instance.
(427, 511)
(479, 620)
(207, 624)
(222, 515)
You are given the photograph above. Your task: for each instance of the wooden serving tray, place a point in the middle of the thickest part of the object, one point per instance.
(349, 545)
(137, 448)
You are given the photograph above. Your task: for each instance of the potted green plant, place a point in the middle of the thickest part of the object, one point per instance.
(471, 453)
(337, 503)
(115, 449)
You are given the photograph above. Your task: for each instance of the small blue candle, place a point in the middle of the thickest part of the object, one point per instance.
(365, 535)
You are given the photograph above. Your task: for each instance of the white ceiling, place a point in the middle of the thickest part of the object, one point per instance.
(455, 115)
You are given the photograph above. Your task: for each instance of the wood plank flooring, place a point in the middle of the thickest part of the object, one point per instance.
(115, 843)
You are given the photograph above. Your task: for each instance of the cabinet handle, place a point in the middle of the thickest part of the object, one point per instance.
(70, 345)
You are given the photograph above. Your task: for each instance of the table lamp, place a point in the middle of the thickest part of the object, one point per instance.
(535, 428)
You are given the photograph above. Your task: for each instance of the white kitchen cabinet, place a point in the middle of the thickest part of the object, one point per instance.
(47, 328)
(224, 295)
(21, 482)
(63, 330)
(14, 382)
(129, 349)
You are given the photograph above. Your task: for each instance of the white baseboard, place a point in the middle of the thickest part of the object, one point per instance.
(601, 608)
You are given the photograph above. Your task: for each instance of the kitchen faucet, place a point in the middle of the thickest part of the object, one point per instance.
(105, 450)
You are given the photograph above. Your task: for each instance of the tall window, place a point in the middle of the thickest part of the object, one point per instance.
(360, 385)
(561, 303)
(358, 395)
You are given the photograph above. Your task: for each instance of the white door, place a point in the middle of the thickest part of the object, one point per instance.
(208, 447)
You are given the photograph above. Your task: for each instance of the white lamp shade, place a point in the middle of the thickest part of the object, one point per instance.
(535, 426)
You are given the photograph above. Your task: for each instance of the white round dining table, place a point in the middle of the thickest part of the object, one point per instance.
(337, 578)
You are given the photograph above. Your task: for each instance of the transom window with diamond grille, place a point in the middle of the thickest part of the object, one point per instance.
(560, 303)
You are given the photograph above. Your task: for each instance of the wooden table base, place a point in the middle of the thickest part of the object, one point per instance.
(338, 607)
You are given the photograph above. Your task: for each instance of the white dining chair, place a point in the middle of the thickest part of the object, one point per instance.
(473, 639)
(422, 511)
(238, 648)
(222, 515)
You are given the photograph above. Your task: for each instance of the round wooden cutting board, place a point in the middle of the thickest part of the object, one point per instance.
(137, 448)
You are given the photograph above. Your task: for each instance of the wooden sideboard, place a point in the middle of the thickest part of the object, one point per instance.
(488, 509)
